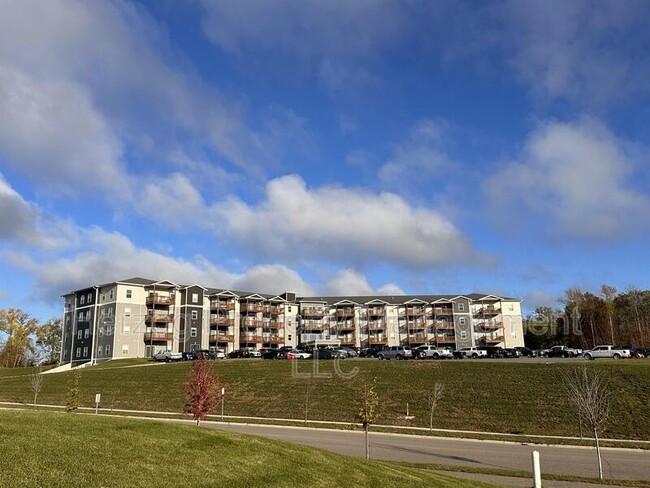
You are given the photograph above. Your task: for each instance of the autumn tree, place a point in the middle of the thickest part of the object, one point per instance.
(18, 348)
(590, 395)
(201, 390)
(48, 341)
(368, 412)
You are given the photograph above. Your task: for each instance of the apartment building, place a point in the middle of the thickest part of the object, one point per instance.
(139, 317)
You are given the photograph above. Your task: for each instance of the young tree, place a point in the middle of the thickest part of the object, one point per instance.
(590, 395)
(36, 383)
(18, 326)
(433, 397)
(201, 390)
(72, 400)
(368, 409)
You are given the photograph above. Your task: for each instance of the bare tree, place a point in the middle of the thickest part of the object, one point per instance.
(609, 294)
(590, 395)
(433, 397)
(36, 383)
(368, 409)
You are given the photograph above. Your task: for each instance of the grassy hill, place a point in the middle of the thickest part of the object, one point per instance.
(511, 397)
(60, 450)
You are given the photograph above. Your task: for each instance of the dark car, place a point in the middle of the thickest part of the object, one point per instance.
(274, 354)
(203, 354)
(494, 351)
(327, 353)
(235, 354)
(188, 356)
(526, 352)
(370, 352)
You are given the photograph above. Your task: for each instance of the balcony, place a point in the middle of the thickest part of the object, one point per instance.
(377, 340)
(416, 311)
(314, 326)
(221, 321)
(158, 336)
(159, 318)
(347, 325)
(443, 311)
(251, 307)
(416, 325)
(489, 325)
(273, 339)
(345, 312)
(313, 312)
(347, 340)
(273, 310)
(376, 326)
(447, 339)
(251, 323)
(442, 325)
(156, 299)
(417, 338)
(495, 339)
(377, 312)
(221, 337)
(489, 310)
(249, 338)
(222, 305)
(273, 324)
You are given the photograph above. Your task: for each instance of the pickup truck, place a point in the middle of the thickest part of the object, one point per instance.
(561, 352)
(167, 356)
(470, 352)
(612, 352)
(432, 352)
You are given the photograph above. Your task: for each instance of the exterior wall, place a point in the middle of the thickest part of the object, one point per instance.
(463, 326)
(83, 331)
(68, 327)
(512, 324)
(192, 335)
(130, 313)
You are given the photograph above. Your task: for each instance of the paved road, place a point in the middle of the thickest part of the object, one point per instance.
(580, 461)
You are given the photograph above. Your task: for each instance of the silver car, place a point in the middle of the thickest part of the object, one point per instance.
(396, 352)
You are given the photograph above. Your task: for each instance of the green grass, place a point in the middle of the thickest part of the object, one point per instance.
(6, 372)
(60, 450)
(515, 398)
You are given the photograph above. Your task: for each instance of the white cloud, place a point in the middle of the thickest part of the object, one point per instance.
(390, 289)
(18, 218)
(52, 132)
(352, 282)
(271, 278)
(418, 159)
(344, 225)
(579, 176)
(579, 49)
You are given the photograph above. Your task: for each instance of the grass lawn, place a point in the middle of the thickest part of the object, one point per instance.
(60, 450)
(518, 398)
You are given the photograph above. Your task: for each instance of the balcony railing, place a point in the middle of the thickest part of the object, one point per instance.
(158, 336)
(448, 339)
(377, 312)
(313, 312)
(345, 312)
(417, 338)
(443, 311)
(156, 299)
(347, 325)
(347, 340)
(490, 325)
(493, 339)
(251, 307)
(273, 339)
(377, 340)
(222, 305)
(489, 311)
(415, 324)
(273, 324)
(273, 310)
(221, 321)
(440, 325)
(314, 326)
(250, 338)
(166, 318)
(415, 310)
(222, 338)
(251, 323)
(376, 326)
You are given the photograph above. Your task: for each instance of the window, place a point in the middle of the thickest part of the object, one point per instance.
(461, 307)
(110, 295)
(195, 298)
(110, 312)
(511, 307)
(463, 334)
(108, 349)
(67, 320)
(78, 352)
(195, 314)
(126, 329)
(85, 351)
(90, 297)
(127, 312)
(103, 298)
(88, 314)
(86, 333)
(82, 299)
(79, 333)
(193, 332)
(125, 349)
(289, 337)
(128, 293)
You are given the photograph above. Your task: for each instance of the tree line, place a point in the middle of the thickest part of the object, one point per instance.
(587, 319)
(24, 341)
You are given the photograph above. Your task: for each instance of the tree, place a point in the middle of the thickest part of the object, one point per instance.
(48, 340)
(368, 409)
(18, 347)
(433, 397)
(36, 383)
(201, 390)
(72, 399)
(609, 294)
(590, 395)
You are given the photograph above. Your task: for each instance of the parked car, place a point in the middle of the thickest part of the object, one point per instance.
(167, 356)
(470, 352)
(562, 352)
(203, 354)
(371, 352)
(187, 355)
(396, 352)
(273, 354)
(297, 354)
(235, 354)
(432, 352)
(218, 354)
(511, 352)
(612, 352)
(250, 352)
(350, 351)
(493, 351)
(327, 353)
(526, 352)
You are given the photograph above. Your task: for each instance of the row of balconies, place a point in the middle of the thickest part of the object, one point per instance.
(160, 299)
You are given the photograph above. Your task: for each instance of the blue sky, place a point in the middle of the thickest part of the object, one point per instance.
(324, 147)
